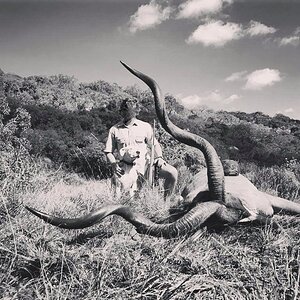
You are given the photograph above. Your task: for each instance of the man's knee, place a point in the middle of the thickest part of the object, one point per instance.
(168, 172)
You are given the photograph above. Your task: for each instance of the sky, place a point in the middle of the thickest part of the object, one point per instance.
(234, 55)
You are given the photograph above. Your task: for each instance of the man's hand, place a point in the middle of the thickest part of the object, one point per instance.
(117, 169)
(160, 162)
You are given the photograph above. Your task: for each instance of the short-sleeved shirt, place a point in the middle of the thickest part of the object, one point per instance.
(138, 135)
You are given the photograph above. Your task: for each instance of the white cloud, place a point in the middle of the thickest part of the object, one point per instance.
(231, 99)
(237, 76)
(192, 101)
(213, 97)
(257, 28)
(218, 33)
(291, 40)
(297, 31)
(289, 110)
(197, 8)
(148, 16)
(262, 78)
(215, 33)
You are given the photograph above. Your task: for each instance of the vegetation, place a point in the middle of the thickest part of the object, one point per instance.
(52, 132)
(70, 121)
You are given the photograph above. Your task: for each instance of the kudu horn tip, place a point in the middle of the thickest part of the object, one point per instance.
(124, 64)
(131, 70)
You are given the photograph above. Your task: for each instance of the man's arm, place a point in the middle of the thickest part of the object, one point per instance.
(157, 150)
(114, 164)
(158, 156)
(109, 150)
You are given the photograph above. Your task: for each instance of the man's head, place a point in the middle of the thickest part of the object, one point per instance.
(128, 109)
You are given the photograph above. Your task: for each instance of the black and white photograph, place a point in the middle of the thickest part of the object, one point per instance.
(150, 149)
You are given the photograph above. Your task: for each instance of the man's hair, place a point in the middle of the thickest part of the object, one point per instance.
(128, 101)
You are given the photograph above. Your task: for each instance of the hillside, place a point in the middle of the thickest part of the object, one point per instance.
(69, 122)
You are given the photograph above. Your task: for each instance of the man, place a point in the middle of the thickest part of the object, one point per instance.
(138, 135)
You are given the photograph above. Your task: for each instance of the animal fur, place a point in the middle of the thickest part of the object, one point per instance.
(127, 181)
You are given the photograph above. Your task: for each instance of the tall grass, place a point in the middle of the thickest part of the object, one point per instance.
(111, 261)
(281, 181)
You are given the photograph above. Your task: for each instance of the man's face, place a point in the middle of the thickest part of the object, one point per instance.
(127, 111)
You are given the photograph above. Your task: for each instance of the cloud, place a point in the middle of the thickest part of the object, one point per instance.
(297, 30)
(237, 76)
(192, 101)
(289, 110)
(216, 33)
(148, 16)
(262, 78)
(291, 40)
(257, 28)
(213, 97)
(197, 8)
(231, 99)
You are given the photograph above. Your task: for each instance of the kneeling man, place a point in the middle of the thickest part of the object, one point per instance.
(128, 150)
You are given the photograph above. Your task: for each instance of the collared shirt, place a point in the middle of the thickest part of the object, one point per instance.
(138, 135)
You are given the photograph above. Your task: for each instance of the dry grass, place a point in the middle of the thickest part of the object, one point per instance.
(282, 181)
(112, 261)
